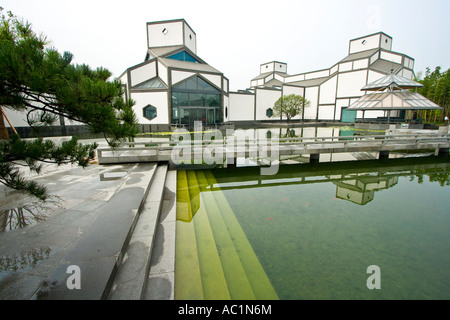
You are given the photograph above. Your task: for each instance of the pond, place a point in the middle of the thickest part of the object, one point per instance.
(313, 230)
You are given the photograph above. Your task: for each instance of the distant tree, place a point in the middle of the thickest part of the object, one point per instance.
(43, 84)
(436, 87)
(290, 106)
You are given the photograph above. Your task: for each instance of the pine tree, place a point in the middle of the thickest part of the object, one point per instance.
(44, 84)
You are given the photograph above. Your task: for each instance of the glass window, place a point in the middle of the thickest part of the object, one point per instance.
(205, 86)
(149, 112)
(196, 100)
(269, 112)
(180, 99)
(175, 115)
(152, 83)
(213, 100)
(196, 84)
(183, 56)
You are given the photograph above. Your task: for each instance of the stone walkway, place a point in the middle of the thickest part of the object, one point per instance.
(87, 224)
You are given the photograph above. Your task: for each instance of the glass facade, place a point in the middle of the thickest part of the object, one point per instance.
(196, 100)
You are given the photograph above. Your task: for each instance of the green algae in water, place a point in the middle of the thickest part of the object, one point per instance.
(214, 259)
(316, 229)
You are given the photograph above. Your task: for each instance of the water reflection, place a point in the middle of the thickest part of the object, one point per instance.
(355, 182)
(25, 261)
(315, 228)
(16, 218)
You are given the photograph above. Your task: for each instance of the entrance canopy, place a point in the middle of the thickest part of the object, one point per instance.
(396, 100)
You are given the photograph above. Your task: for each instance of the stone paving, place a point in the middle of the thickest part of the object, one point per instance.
(86, 223)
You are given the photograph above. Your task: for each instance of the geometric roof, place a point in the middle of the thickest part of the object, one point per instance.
(392, 82)
(395, 100)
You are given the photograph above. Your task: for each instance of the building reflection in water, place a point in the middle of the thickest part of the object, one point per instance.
(356, 182)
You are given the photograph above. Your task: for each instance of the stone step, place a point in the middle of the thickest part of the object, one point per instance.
(213, 278)
(161, 278)
(99, 250)
(237, 280)
(187, 267)
(130, 281)
(260, 283)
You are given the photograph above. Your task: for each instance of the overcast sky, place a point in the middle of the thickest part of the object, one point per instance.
(236, 37)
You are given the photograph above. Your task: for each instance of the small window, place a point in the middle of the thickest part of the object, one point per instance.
(364, 42)
(269, 113)
(149, 112)
(165, 31)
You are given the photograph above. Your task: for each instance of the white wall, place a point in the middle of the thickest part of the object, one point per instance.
(265, 99)
(350, 84)
(156, 99)
(226, 105)
(190, 39)
(326, 112)
(174, 35)
(328, 91)
(225, 85)
(386, 42)
(391, 57)
(366, 43)
(17, 118)
(178, 76)
(273, 66)
(373, 75)
(374, 57)
(162, 73)
(360, 64)
(287, 90)
(345, 66)
(213, 78)
(298, 77)
(143, 73)
(317, 74)
(241, 106)
(311, 94)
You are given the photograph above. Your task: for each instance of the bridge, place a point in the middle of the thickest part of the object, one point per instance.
(227, 150)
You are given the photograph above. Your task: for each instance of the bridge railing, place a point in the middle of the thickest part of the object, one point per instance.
(237, 141)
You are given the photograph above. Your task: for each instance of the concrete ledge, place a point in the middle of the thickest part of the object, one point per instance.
(131, 278)
(100, 248)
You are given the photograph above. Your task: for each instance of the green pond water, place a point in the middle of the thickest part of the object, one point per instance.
(311, 231)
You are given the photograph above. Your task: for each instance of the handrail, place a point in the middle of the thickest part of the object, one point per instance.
(291, 141)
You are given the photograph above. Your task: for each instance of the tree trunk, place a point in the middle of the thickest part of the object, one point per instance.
(3, 131)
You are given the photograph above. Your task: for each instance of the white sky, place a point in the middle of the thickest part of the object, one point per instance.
(236, 37)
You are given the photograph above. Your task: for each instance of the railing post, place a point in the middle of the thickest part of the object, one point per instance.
(383, 155)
